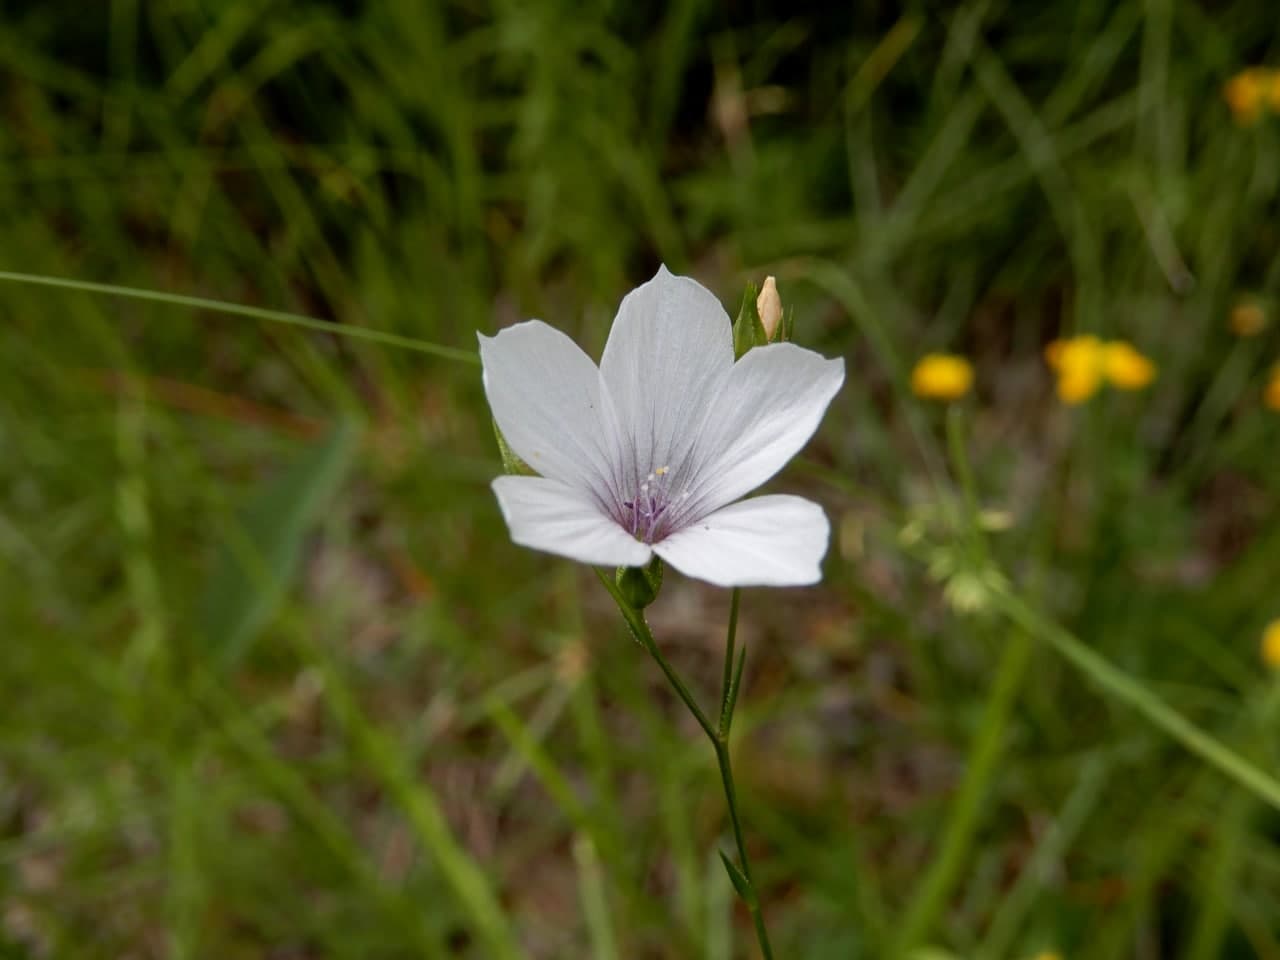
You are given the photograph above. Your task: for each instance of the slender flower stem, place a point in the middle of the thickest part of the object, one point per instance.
(726, 685)
(731, 799)
(644, 636)
(741, 877)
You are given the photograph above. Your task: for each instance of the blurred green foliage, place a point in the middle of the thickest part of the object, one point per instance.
(442, 745)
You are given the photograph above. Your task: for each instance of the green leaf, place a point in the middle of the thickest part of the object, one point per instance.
(738, 879)
(259, 554)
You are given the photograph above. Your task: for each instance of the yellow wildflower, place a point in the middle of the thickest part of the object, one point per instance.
(1085, 363)
(1271, 645)
(1271, 397)
(1125, 367)
(1247, 318)
(1078, 363)
(942, 376)
(1245, 93)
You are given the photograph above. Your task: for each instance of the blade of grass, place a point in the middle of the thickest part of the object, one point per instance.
(1017, 902)
(591, 892)
(256, 313)
(1131, 692)
(526, 741)
(419, 804)
(248, 583)
(1220, 875)
(1039, 146)
(958, 836)
(294, 791)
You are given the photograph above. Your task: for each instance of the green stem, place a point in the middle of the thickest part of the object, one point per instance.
(960, 462)
(719, 737)
(644, 636)
(752, 901)
(727, 683)
(957, 840)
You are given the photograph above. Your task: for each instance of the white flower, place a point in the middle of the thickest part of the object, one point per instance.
(648, 453)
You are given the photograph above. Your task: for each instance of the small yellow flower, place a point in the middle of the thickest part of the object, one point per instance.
(1270, 648)
(1245, 94)
(1125, 367)
(1247, 318)
(942, 376)
(1078, 363)
(1271, 396)
(1085, 363)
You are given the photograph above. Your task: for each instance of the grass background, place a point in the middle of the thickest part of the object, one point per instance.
(274, 681)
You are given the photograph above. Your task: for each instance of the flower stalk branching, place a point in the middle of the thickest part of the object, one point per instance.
(718, 733)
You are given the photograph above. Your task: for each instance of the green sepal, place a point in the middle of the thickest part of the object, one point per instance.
(787, 333)
(738, 879)
(748, 330)
(511, 462)
(639, 586)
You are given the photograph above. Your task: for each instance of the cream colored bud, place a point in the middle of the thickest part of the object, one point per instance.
(769, 306)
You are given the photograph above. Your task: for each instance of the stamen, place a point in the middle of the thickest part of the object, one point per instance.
(644, 514)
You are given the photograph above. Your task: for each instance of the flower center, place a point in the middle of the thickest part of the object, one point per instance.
(647, 515)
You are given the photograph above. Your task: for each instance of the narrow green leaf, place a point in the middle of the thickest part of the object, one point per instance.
(1132, 692)
(592, 894)
(738, 878)
(259, 556)
(256, 313)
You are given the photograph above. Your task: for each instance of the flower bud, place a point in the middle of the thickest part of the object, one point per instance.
(769, 306)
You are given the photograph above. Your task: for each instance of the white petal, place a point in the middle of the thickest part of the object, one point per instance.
(547, 515)
(774, 541)
(669, 355)
(545, 396)
(774, 400)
